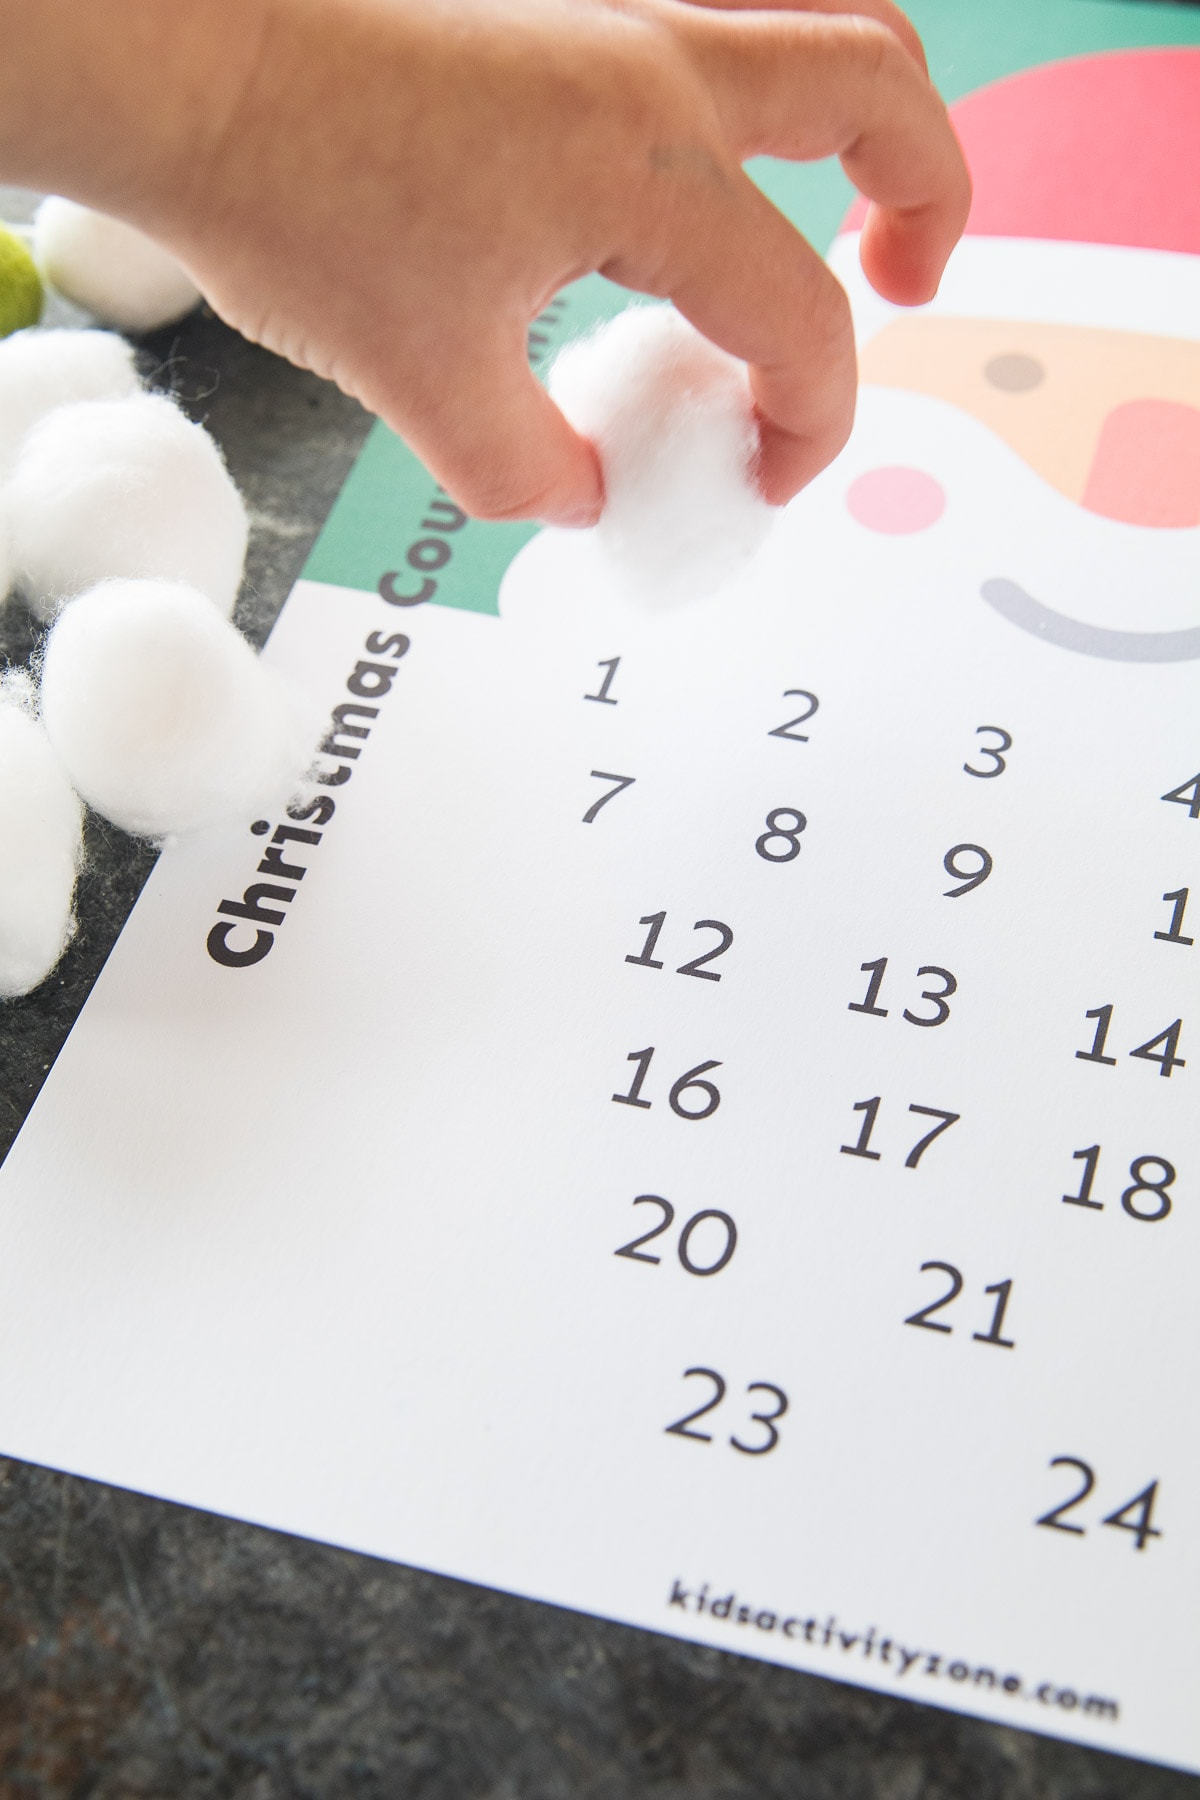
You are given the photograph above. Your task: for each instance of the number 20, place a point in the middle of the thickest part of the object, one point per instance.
(633, 1249)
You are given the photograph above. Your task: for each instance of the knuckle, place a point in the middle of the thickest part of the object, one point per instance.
(644, 96)
(487, 490)
(963, 193)
(660, 105)
(827, 322)
(880, 54)
(636, 77)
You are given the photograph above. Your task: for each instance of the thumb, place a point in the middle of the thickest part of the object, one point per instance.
(483, 424)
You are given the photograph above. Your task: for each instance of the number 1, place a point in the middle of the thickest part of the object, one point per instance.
(1103, 1017)
(1174, 935)
(655, 921)
(867, 1003)
(992, 1335)
(871, 1108)
(601, 695)
(1090, 1159)
(642, 1058)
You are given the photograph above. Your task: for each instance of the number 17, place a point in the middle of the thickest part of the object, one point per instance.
(871, 1109)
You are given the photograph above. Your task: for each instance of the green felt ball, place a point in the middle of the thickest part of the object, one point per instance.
(20, 285)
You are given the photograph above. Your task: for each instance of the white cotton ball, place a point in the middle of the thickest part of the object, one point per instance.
(41, 831)
(6, 558)
(40, 370)
(111, 269)
(124, 488)
(163, 715)
(673, 421)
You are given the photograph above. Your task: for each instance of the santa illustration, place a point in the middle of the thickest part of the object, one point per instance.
(1066, 338)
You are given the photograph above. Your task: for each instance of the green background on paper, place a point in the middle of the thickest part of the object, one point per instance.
(377, 516)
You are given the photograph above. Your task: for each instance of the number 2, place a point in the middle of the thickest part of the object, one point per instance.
(785, 730)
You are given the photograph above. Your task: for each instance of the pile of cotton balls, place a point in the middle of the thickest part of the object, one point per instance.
(110, 269)
(120, 527)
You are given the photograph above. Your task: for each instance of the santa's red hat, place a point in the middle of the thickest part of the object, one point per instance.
(1100, 149)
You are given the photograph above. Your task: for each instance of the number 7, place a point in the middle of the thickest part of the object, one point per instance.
(622, 781)
(932, 1112)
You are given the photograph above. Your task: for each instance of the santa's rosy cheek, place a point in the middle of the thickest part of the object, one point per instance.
(896, 500)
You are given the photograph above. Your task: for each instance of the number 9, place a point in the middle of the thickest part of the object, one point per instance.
(968, 878)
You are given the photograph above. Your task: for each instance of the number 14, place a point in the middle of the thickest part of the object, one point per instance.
(1149, 1051)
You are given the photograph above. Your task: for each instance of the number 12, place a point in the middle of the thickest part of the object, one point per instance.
(647, 960)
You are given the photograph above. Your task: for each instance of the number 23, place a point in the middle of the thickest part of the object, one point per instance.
(681, 1426)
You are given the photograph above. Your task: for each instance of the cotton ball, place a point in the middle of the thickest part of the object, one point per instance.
(162, 714)
(41, 830)
(6, 568)
(124, 488)
(40, 370)
(111, 269)
(20, 285)
(672, 419)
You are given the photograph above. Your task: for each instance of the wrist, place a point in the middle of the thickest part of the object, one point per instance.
(119, 103)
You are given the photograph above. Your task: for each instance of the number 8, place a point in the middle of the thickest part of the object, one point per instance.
(1140, 1186)
(790, 836)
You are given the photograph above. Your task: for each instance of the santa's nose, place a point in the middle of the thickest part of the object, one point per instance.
(1146, 470)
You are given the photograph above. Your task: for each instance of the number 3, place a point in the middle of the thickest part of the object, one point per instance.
(994, 752)
(767, 1419)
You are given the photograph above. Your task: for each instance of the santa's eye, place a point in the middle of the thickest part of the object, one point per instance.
(1015, 373)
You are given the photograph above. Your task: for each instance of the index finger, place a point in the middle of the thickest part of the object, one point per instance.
(882, 11)
(805, 86)
(744, 277)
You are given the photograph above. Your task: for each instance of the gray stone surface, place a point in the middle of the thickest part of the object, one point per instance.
(150, 1652)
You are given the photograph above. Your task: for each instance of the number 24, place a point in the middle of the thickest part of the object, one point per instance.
(1141, 1507)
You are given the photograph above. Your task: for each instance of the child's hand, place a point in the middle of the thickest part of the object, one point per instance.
(388, 191)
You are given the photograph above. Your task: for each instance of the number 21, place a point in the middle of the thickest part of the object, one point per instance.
(994, 1332)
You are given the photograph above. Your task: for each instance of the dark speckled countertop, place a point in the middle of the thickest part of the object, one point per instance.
(150, 1652)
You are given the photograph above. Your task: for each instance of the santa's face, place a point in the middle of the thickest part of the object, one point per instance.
(1027, 450)
(1054, 390)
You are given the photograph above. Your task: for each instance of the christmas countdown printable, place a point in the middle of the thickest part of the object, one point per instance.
(697, 1118)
